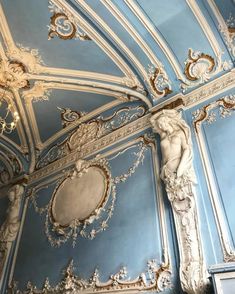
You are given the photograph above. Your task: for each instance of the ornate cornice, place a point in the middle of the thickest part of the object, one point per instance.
(91, 148)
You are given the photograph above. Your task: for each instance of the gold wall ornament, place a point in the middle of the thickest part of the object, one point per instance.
(159, 81)
(201, 67)
(69, 116)
(226, 106)
(178, 174)
(13, 74)
(198, 66)
(63, 26)
(156, 278)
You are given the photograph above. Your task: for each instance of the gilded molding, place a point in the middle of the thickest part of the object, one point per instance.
(13, 74)
(101, 42)
(156, 278)
(177, 172)
(226, 106)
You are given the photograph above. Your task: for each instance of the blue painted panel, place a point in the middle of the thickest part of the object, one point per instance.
(132, 238)
(30, 30)
(78, 101)
(178, 25)
(221, 144)
(226, 8)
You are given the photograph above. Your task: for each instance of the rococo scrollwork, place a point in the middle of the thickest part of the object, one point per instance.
(156, 278)
(159, 81)
(63, 26)
(178, 175)
(201, 67)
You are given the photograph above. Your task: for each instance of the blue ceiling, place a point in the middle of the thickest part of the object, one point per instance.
(105, 53)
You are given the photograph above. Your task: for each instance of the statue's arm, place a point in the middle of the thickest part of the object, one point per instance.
(185, 156)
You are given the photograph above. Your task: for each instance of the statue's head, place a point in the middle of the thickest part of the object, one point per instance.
(165, 120)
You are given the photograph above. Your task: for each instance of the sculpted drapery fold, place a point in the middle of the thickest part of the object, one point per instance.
(177, 172)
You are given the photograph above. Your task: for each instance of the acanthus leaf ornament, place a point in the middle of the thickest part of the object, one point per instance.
(178, 175)
(156, 278)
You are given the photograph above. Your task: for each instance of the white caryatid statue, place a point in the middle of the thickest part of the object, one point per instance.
(10, 227)
(178, 174)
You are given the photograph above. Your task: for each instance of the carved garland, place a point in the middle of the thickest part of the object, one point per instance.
(58, 234)
(156, 278)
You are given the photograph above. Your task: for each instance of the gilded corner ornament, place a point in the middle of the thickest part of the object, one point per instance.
(159, 81)
(64, 26)
(226, 106)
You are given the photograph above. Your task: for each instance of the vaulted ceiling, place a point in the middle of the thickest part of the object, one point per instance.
(67, 62)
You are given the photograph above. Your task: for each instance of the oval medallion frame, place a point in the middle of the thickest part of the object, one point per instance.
(65, 209)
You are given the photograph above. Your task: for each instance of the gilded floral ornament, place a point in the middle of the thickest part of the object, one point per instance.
(159, 81)
(64, 26)
(28, 57)
(201, 67)
(13, 74)
(156, 278)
